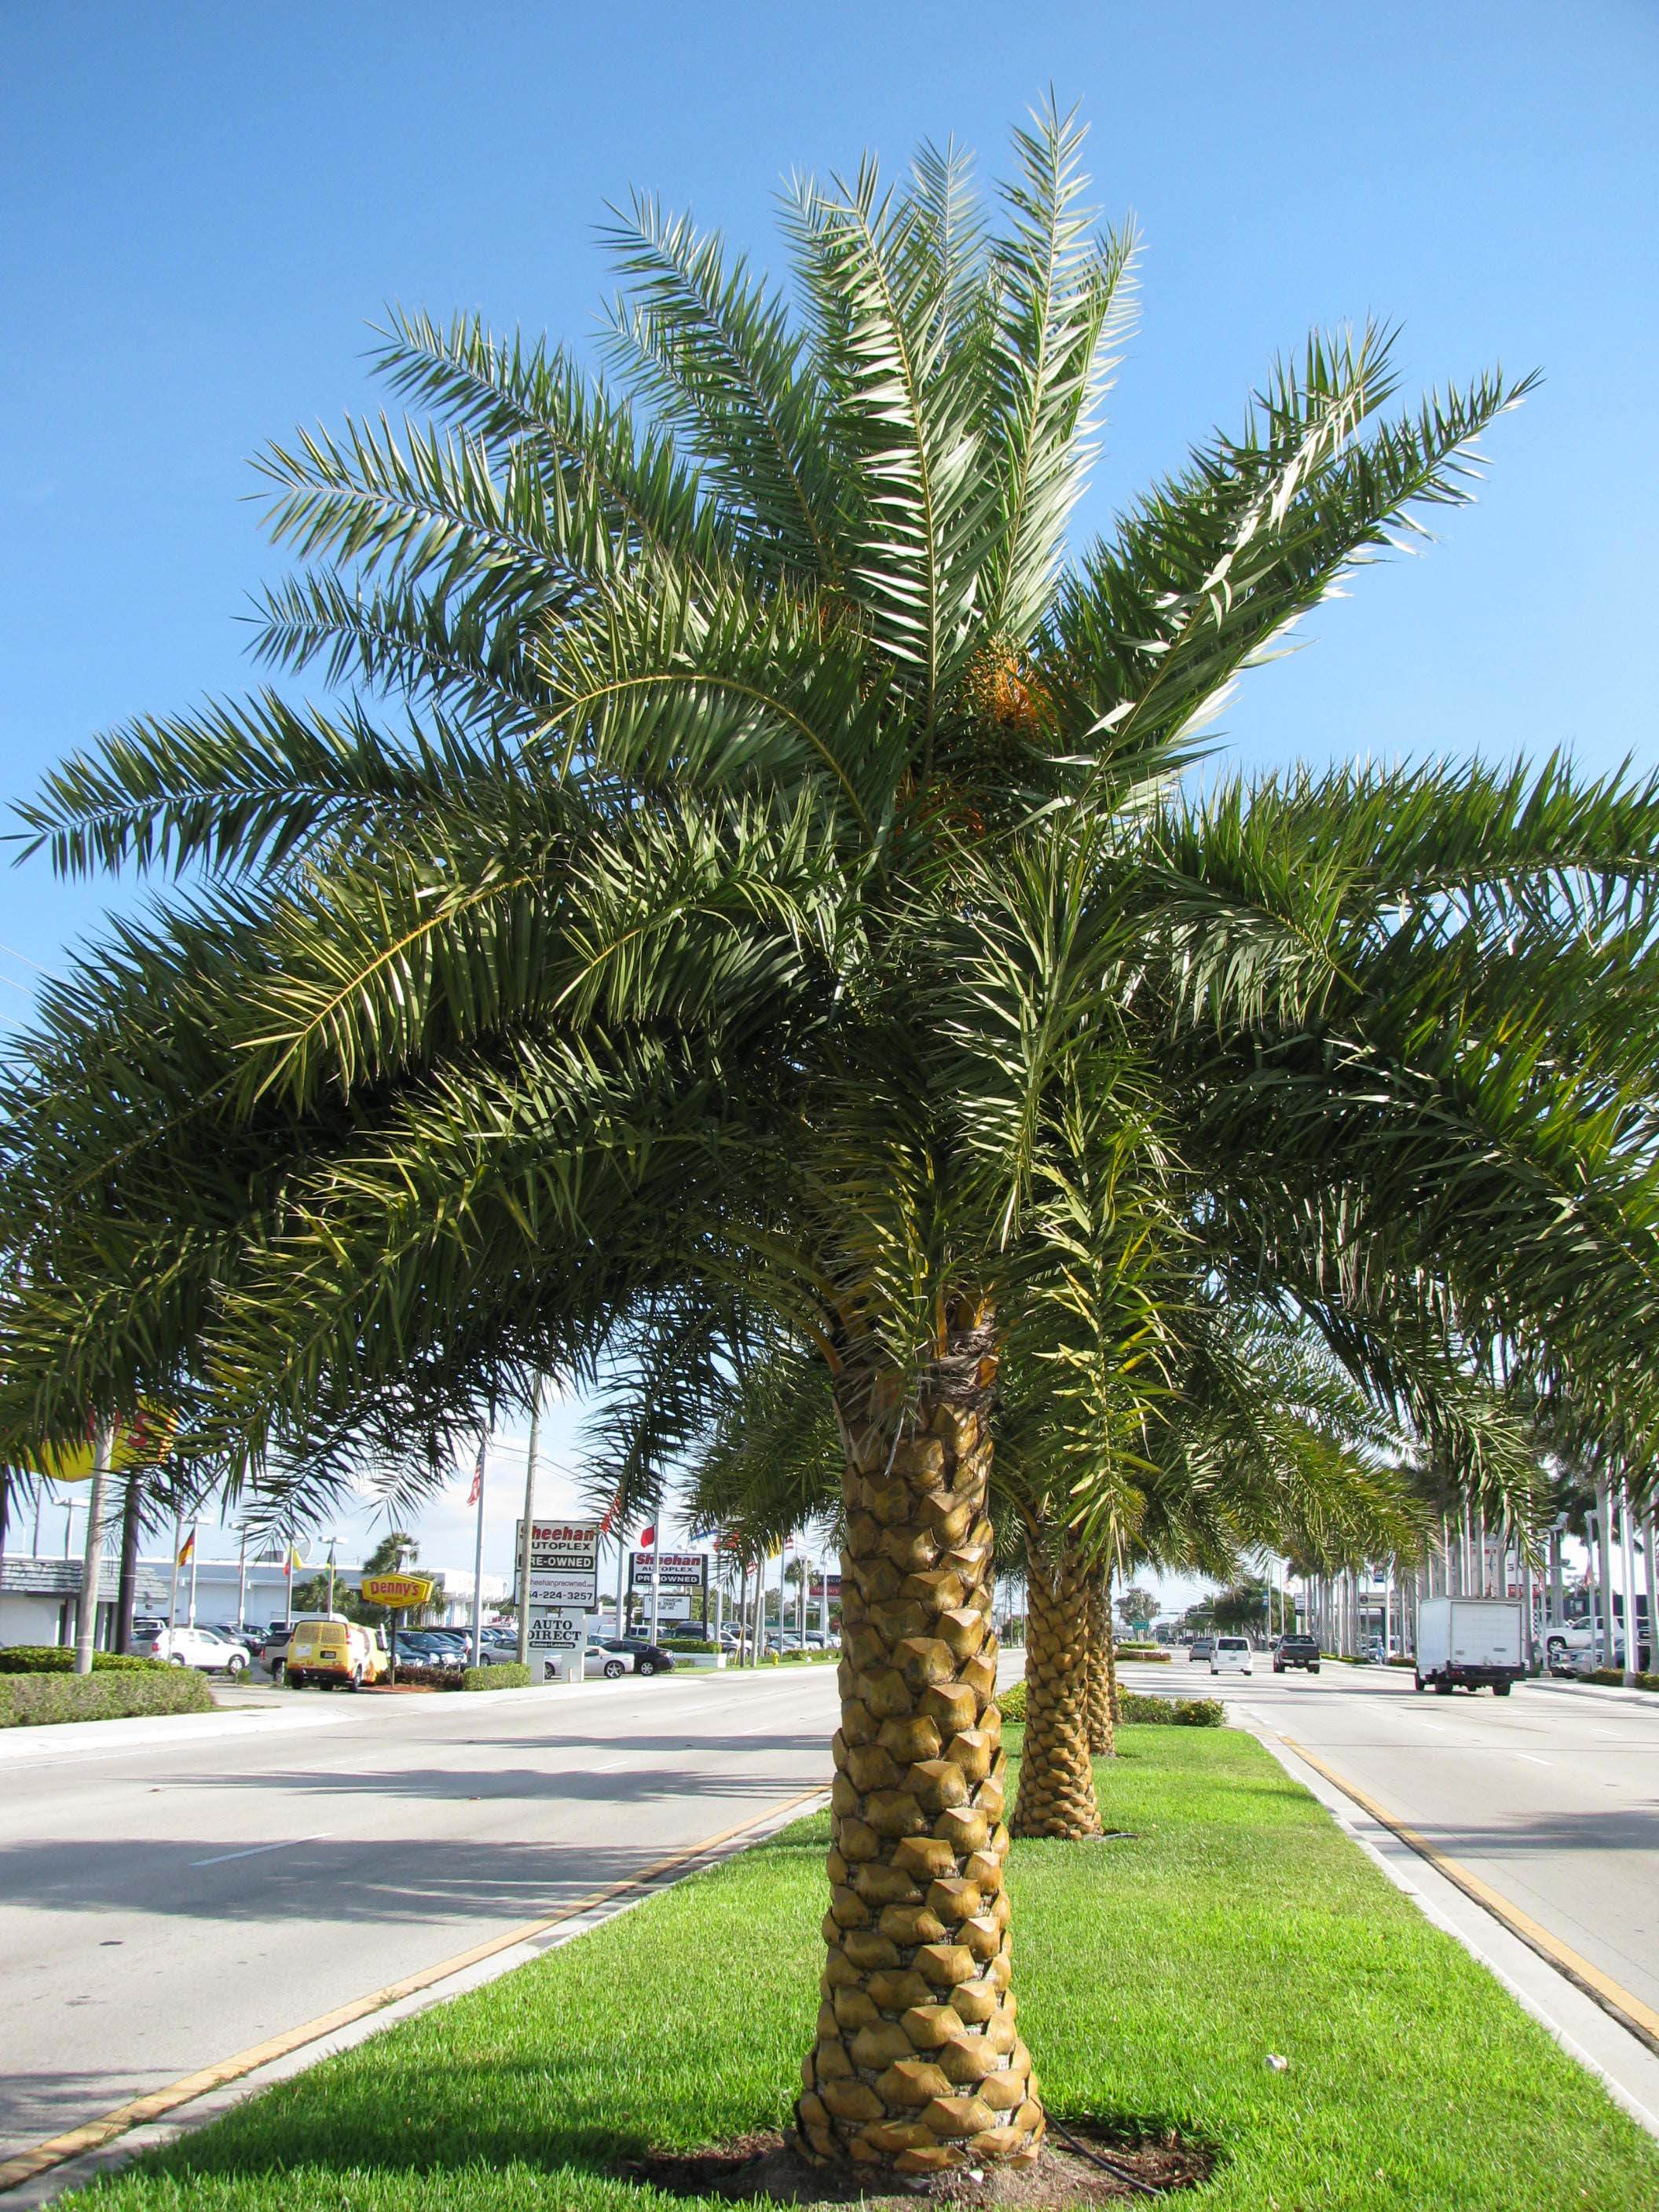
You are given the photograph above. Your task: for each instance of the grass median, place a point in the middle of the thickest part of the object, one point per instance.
(1156, 1974)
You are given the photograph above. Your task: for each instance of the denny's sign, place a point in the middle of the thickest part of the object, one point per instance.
(397, 1590)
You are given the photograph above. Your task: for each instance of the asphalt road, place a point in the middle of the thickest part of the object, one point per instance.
(1550, 1795)
(147, 1928)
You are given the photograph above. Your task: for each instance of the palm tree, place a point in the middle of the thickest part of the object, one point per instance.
(762, 894)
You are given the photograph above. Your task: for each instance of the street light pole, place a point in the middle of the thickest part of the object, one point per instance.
(86, 1620)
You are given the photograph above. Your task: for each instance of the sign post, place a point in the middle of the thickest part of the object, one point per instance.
(678, 1582)
(559, 1587)
(397, 1592)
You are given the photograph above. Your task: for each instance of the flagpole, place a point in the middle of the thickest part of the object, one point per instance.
(477, 1558)
(195, 1531)
(178, 1546)
(288, 1579)
(529, 1515)
(656, 1579)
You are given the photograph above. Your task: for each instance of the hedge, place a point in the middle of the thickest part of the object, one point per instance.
(1613, 1678)
(1135, 1709)
(1169, 1712)
(507, 1674)
(1153, 1653)
(112, 1694)
(687, 1644)
(59, 1659)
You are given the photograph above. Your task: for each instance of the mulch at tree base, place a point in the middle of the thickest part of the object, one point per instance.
(762, 2168)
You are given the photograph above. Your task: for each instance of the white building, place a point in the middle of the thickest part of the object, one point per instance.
(41, 1597)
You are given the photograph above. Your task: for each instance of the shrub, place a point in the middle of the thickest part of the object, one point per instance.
(510, 1675)
(1154, 1653)
(428, 1678)
(1138, 1711)
(112, 1694)
(1012, 1702)
(1614, 1677)
(59, 1659)
(686, 1644)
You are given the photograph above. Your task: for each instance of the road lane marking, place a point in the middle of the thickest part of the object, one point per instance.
(288, 1843)
(1613, 1998)
(1532, 1755)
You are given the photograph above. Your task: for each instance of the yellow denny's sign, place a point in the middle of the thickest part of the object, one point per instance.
(397, 1590)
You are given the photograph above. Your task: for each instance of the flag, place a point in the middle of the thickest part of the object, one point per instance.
(186, 1549)
(292, 1561)
(647, 1537)
(477, 1491)
(611, 1511)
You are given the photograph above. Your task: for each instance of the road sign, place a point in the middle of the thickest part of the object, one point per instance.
(564, 1564)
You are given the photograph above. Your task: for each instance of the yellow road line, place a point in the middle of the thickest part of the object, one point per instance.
(93, 2134)
(1627, 2008)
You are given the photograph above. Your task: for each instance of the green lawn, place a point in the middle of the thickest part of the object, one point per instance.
(1156, 1976)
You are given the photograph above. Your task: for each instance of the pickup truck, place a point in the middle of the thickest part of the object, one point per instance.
(1297, 1651)
(1469, 1644)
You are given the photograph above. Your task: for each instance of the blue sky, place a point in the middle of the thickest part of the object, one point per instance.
(202, 207)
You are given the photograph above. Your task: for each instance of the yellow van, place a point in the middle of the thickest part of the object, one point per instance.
(329, 1649)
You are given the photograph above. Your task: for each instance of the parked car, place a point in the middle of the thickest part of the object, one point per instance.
(195, 1647)
(329, 1650)
(623, 1654)
(1202, 1647)
(1231, 1655)
(1297, 1651)
(425, 1647)
(271, 1643)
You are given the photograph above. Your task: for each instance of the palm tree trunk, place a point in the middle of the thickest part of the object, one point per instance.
(918, 2066)
(1103, 1667)
(1056, 1778)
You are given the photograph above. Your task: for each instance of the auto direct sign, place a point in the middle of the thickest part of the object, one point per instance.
(557, 1632)
(564, 1565)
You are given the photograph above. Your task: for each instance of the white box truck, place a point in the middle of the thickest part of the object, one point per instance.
(1469, 1643)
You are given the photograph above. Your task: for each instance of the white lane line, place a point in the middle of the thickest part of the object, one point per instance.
(1534, 1757)
(254, 1850)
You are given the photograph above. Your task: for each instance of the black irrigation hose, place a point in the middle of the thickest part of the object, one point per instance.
(1106, 2165)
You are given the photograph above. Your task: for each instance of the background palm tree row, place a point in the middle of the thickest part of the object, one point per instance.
(745, 897)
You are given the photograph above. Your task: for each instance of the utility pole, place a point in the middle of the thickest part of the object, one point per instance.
(86, 1619)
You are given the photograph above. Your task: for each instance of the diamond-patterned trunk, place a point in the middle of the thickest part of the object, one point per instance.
(1103, 1669)
(1056, 1780)
(918, 2066)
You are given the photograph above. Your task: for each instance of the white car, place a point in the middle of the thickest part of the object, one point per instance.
(196, 1647)
(1231, 1655)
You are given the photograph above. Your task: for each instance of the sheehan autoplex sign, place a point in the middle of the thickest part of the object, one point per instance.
(675, 1571)
(564, 1564)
